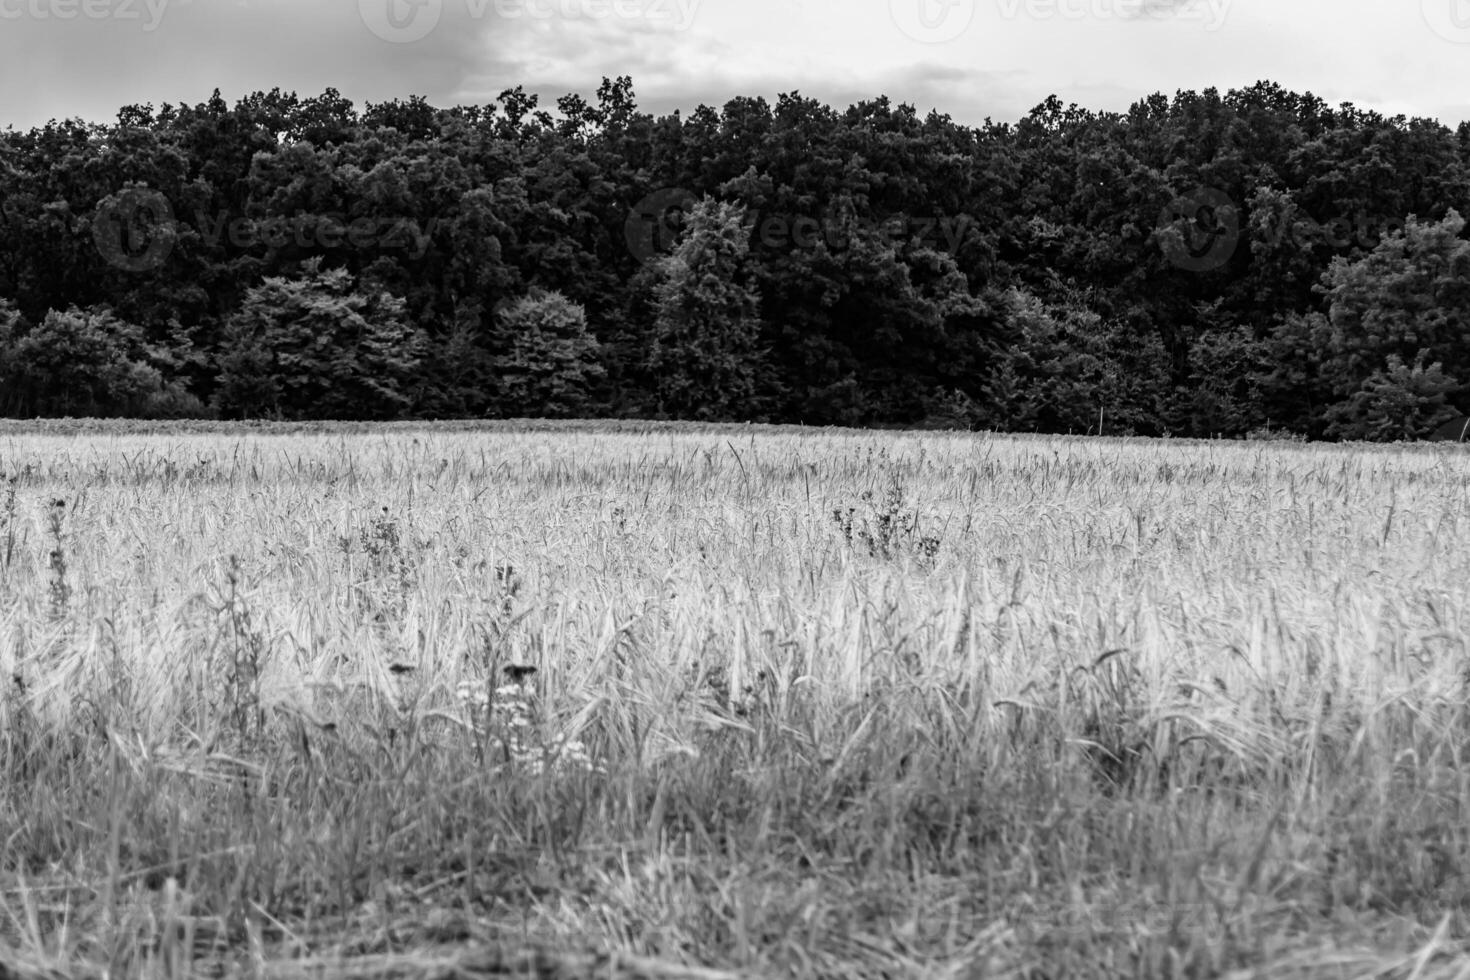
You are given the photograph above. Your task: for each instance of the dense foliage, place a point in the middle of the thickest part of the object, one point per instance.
(1207, 265)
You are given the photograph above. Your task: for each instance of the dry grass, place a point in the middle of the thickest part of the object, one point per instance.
(804, 704)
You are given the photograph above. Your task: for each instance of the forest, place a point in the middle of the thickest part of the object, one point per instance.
(1247, 265)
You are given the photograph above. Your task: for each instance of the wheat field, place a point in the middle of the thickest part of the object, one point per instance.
(580, 700)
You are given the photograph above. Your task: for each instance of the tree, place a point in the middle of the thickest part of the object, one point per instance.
(12, 326)
(706, 358)
(1062, 367)
(88, 362)
(1409, 298)
(457, 376)
(1227, 371)
(314, 348)
(551, 362)
(1398, 402)
(880, 242)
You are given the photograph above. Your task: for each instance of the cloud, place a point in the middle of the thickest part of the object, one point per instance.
(90, 66)
(87, 58)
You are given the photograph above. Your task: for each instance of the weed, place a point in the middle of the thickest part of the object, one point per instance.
(246, 652)
(509, 584)
(509, 716)
(383, 543)
(60, 588)
(7, 524)
(885, 528)
(387, 581)
(1267, 434)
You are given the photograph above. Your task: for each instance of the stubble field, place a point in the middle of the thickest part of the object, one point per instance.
(589, 702)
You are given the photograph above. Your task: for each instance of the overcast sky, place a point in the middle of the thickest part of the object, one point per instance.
(969, 58)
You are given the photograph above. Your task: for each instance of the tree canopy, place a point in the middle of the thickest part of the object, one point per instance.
(1202, 265)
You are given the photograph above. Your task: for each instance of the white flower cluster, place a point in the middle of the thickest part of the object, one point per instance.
(510, 716)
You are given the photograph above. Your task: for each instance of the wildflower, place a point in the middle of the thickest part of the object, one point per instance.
(511, 717)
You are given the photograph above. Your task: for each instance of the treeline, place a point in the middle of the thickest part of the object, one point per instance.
(1203, 265)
